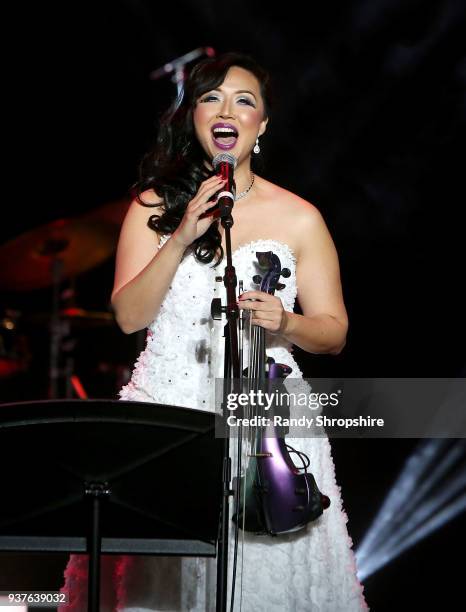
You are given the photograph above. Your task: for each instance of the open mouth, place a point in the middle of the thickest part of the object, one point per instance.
(224, 136)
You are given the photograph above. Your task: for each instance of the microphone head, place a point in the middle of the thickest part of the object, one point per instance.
(224, 158)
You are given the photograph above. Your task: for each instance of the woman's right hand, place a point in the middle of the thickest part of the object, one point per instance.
(191, 225)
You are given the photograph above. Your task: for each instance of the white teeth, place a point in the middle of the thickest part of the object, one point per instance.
(224, 130)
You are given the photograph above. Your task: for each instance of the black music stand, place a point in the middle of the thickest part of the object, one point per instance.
(109, 476)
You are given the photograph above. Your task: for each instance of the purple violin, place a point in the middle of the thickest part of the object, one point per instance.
(276, 496)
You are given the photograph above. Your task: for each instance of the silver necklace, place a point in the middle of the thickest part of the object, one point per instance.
(243, 193)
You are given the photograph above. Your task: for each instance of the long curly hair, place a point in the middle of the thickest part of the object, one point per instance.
(175, 167)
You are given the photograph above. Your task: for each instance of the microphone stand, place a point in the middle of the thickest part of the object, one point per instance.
(231, 372)
(177, 67)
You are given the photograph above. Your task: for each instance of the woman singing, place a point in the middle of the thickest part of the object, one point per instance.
(170, 252)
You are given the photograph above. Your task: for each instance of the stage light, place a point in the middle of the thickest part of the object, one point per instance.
(429, 492)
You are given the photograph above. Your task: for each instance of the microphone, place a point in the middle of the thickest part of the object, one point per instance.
(224, 165)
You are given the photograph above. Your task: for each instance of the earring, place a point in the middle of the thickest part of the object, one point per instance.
(257, 148)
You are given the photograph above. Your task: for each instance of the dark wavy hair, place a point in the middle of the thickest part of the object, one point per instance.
(176, 166)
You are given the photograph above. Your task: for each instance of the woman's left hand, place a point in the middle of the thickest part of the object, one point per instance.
(267, 310)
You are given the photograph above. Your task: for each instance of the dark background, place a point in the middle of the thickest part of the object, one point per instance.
(370, 106)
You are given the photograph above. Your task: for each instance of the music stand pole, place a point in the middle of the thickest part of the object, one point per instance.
(96, 492)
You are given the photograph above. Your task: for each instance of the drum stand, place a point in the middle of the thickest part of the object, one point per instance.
(55, 329)
(58, 327)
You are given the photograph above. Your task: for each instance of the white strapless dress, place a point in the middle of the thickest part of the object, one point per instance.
(312, 570)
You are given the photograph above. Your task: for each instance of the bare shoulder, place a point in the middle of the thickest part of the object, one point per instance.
(288, 203)
(148, 204)
(149, 197)
(138, 242)
(301, 219)
(140, 211)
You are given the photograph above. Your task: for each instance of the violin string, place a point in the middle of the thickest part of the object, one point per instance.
(251, 370)
(237, 467)
(244, 451)
(243, 461)
(255, 344)
(240, 450)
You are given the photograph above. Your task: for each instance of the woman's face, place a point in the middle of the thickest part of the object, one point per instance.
(231, 117)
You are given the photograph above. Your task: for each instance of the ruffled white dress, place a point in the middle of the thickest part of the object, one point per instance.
(310, 570)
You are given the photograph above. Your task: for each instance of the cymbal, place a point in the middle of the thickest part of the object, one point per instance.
(111, 212)
(77, 317)
(26, 262)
